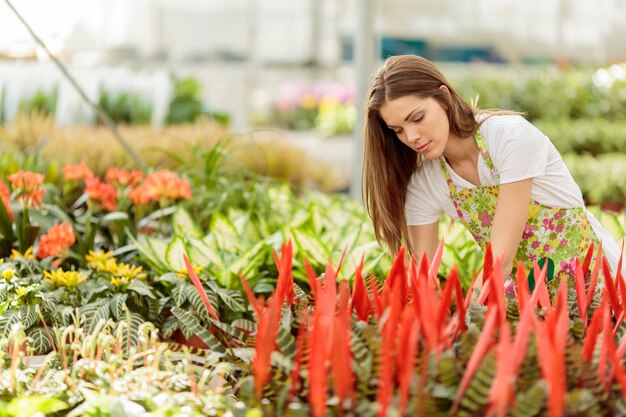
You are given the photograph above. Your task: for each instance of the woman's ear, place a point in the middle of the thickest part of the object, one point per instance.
(444, 88)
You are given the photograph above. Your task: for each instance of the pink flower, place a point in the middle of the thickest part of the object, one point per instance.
(528, 231)
(484, 218)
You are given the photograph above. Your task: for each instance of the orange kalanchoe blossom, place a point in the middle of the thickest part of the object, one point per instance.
(162, 185)
(57, 241)
(27, 185)
(102, 193)
(77, 172)
(122, 177)
(5, 194)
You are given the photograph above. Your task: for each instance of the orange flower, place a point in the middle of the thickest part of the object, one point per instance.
(102, 193)
(5, 194)
(26, 181)
(26, 185)
(77, 172)
(58, 240)
(123, 177)
(162, 185)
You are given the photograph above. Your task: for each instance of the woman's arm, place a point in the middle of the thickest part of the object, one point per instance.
(509, 221)
(424, 238)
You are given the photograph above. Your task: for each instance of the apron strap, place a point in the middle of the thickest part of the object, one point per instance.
(486, 157)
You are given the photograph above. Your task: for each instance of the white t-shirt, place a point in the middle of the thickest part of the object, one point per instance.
(518, 151)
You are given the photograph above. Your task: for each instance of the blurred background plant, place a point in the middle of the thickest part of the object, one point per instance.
(326, 107)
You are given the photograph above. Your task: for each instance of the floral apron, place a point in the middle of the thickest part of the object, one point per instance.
(555, 234)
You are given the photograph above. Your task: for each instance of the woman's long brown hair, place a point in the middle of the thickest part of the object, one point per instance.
(387, 163)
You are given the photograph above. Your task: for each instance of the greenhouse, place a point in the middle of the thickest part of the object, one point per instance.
(312, 208)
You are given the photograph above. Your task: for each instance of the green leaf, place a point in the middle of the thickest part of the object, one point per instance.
(193, 326)
(118, 305)
(114, 216)
(34, 405)
(205, 252)
(184, 225)
(7, 320)
(93, 313)
(141, 288)
(127, 330)
(150, 251)
(231, 298)
(39, 340)
(198, 304)
(174, 254)
(179, 294)
(28, 315)
(246, 325)
(250, 259)
(234, 332)
(225, 233)
(311, 247)
(169, 326)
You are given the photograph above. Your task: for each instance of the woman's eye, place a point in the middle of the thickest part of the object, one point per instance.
(419, 119)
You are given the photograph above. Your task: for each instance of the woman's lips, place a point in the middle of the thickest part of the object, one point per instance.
(424, 147)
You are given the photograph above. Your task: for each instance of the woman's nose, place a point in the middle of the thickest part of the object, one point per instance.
(412, 135)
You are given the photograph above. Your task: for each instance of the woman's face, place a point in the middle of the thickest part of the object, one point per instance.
(420, 123)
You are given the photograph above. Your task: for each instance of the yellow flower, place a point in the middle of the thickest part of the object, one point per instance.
(100, 260)
(308, 101)
(129, 271)
(20, 291)
(61, 278)
(329, 104)
(28, 254)
(8, 274)
(122, 281)
(183, 273)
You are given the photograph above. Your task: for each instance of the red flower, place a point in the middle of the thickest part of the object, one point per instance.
(77, 172)
(101, 192)
(58, 240)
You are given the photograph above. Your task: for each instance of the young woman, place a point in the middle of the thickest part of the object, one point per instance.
(429, 153)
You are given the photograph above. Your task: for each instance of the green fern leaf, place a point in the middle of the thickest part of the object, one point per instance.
(573, 365)
(581, 402)
(476, 397)
(531, 402)
(530, 371)
(447, 372)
